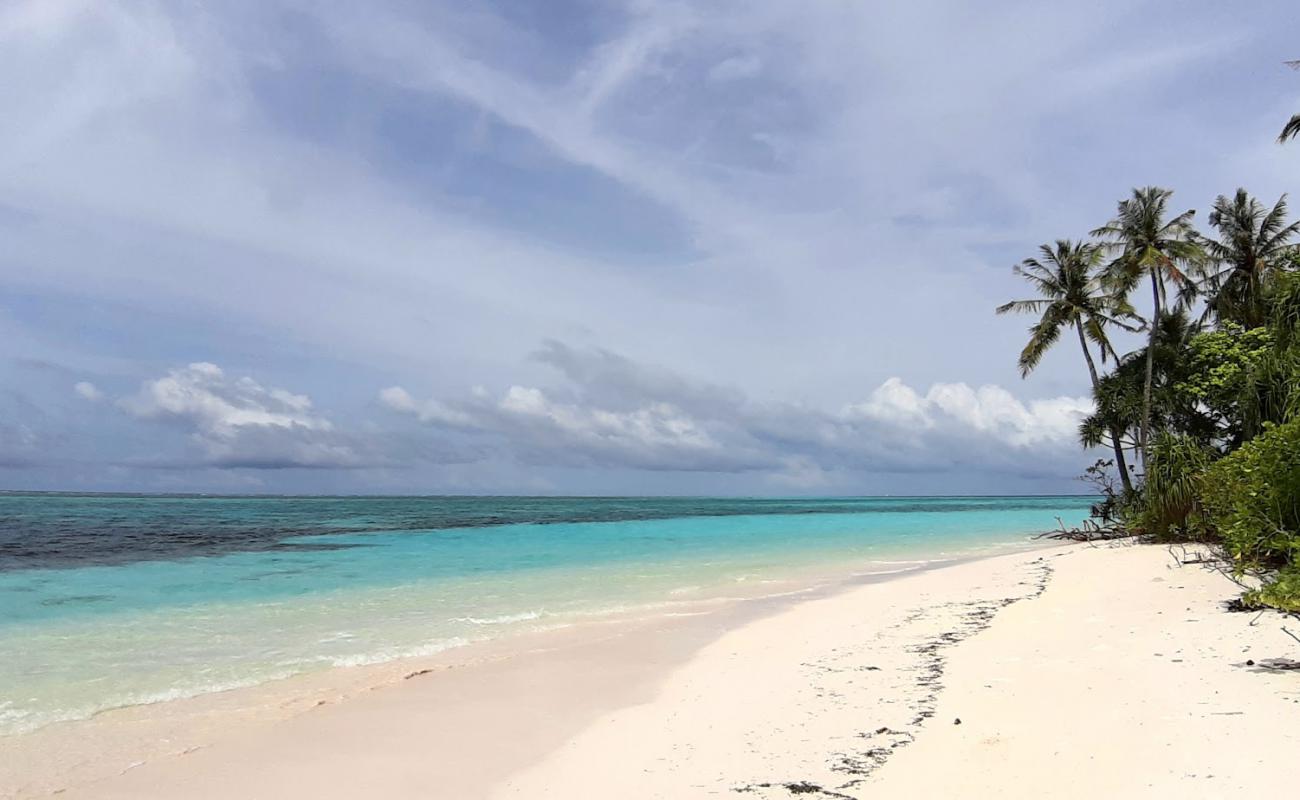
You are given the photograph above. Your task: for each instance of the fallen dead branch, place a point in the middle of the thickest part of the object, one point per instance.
(1284, 664)
(1090, 531)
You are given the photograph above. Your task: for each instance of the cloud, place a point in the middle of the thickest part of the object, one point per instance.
(989, 410)
(19, 446)
(240, 423)
(617, 412)
(88, 391)
(656, 435)
(398, 399)
(735, 68)
(219, 406)
(534, 427)
(802, 207)
(603, 377)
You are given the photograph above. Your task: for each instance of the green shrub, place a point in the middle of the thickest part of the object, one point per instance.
(1282, 592)
(1252, 500)
(1219, 370)
(1170, 506)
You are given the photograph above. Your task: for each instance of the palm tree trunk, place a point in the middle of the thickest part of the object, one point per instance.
(1254, 315)
(1144, 433)
(1120, 463)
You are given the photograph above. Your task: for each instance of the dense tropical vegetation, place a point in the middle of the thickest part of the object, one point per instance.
(1202, 422)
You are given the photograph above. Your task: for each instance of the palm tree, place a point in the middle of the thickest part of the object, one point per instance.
(1072, 297)
(1147, 244)
(1253, 243)
(1119, 395)
(1292, 128)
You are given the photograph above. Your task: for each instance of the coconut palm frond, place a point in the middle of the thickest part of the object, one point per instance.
(1290, 130)
(1042, 335)
(1023, 306)
(1253, 243)
(1094, 329)
(1066, 273)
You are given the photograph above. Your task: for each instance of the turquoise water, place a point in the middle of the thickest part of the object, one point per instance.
(108, 601)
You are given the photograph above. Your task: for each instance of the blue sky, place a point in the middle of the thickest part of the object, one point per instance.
(582, 247)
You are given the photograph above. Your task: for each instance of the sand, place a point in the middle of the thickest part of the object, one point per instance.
(1074, 671)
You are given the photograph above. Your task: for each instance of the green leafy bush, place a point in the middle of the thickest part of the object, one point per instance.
(1252, 500)
(1281, 592)
(1215, 372)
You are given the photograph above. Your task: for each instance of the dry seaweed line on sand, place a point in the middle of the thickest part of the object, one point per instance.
(971, 618)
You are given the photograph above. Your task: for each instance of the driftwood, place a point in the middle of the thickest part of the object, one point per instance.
(1089, 532)
(1284, 664)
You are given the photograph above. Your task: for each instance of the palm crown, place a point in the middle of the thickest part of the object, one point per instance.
(1253, 243)
(1149, 244)
(1072, 296)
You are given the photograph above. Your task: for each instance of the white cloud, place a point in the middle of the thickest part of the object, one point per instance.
(631, 105)
(736, 68)
(894, 402)
(219, 406)
(239, 422)
(653, 426)
(88, 391)
(620, 413)
(989, 409)
(534, 427)
(782, 198)
(398, 399)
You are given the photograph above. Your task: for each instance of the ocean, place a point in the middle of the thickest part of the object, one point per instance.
(116, 600)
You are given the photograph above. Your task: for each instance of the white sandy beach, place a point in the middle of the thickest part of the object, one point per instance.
(1074, 671)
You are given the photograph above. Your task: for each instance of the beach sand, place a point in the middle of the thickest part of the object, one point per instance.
(1074, 671)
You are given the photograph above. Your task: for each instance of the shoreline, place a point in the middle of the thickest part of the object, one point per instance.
(240, 620)
(116, 740)
(829, 690)
(372, 671)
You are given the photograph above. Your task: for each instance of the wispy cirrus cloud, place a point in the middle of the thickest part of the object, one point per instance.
(813, 206)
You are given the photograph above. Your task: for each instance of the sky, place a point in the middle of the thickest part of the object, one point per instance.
(581, 247)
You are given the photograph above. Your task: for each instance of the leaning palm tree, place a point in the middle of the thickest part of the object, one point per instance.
(1072, 297)
(1253, 244)
(1148, 244)
(1292, 128)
